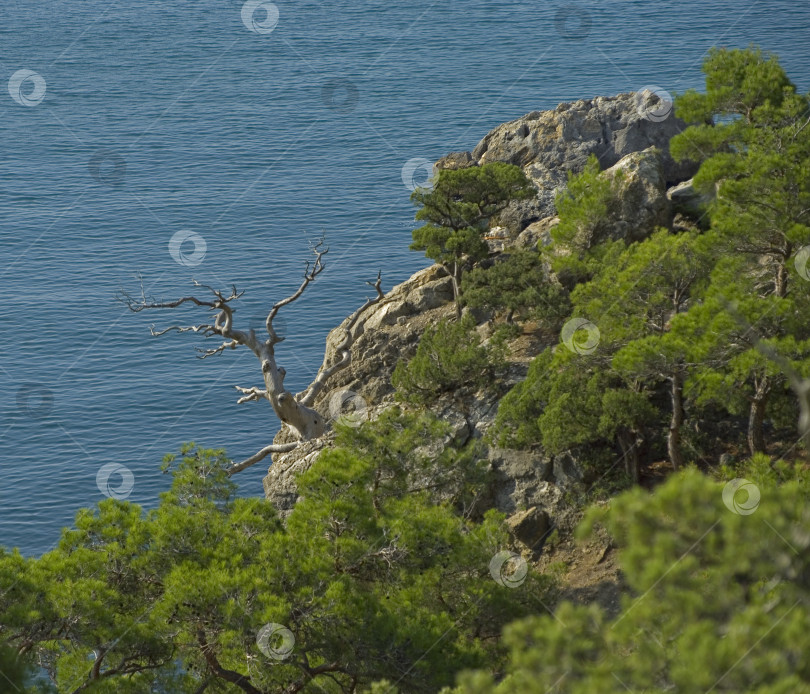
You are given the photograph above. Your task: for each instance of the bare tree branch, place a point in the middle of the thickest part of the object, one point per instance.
(293, 410)
(182, 329)
(262, 454)
(233, 344)
(253, 393)
(310, 273)
(235, 678)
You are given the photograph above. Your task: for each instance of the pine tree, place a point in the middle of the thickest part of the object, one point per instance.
(457, 210)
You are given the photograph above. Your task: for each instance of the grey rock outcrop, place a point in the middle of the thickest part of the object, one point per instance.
(688, 201)
(640, 203)
(531, 527)
(518, 479)
(456, 160)
(280, 487)
(568, 471)
(552, 143)
(549, 145)
(537, 234)
(497, 239)
(390, 331)
(519, 214)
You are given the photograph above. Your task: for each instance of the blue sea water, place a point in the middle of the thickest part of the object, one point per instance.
(255, 132)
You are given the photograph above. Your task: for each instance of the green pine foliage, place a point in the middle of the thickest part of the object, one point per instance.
(743, 86)
(581, 239)
(371, 570)
(759, 169)
(461, 200)
(518, 283)
(450, 356)
(457, 209)
(605, 397)
(687, 323)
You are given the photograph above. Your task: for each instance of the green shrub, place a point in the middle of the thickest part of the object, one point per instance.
(450, 356)
(584, 226)
(517, 283)
(368, 574)
(457, 210)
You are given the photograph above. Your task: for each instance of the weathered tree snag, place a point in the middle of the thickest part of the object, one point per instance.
(292, 410)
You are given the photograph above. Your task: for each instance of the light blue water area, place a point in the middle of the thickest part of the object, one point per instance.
(230, 134)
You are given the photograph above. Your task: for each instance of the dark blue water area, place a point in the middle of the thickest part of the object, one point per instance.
(167, 117)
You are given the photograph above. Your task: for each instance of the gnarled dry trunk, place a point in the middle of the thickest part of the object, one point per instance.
(293, 410)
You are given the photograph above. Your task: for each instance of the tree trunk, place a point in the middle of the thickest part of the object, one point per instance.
(235, 678)
(629, 445)
(781, 280)
(293, 410)
(676, 422)
(756, 416)
(304, 420)
(456, 288)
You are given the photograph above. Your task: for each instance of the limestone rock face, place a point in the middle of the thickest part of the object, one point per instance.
(456, 160)
(641, 201)
(497, 239)
(518, 214)
(279, 484)
(568, 471)
(531, 527)
(537, 234)
(549, 145)
(552, 143)
(641, 204)
(518, 479)
(686, 200)
(387, 332)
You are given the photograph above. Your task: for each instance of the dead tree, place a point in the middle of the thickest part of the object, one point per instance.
(293, 410)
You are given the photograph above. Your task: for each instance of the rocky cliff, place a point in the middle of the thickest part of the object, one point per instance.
(549, 145)
(630, 137)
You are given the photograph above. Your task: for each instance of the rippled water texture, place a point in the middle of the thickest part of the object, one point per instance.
(210, 119)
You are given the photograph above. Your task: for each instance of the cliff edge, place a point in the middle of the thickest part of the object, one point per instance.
(628, 133)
